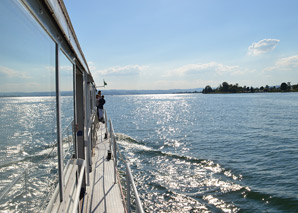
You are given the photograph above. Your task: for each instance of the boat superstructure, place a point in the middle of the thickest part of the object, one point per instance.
(41, 57)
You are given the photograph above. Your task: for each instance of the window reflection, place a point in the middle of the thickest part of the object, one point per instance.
(26, 56)
(27, 108)
(67, 104)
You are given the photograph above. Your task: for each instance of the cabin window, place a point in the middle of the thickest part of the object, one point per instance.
(67, 105)
(27, 109)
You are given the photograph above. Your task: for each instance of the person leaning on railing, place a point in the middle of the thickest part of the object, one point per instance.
(101, 102)
(98, 96)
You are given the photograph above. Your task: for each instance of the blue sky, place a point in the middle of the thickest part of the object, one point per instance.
(175, 44)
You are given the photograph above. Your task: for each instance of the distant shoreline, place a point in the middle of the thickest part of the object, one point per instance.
(34, 94)
(248, 92)
(148, 93)
(226, 88)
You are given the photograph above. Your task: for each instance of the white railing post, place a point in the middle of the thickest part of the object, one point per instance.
(111, 133)
(78, 188)
(89, 146)
(59, 133)
(106, 124)
(115, 157)
(87, 165)
(138, 203)
(127, 189)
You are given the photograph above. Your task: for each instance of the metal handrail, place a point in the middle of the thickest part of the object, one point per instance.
(106, 124)
(56, 192)
(78, 190)
(129, 177)
(66, 129)
(70, 123)
(139, 207)
(26, 170)
(55, 145)
(10, 185)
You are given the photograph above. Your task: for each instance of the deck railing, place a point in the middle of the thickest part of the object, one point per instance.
(129, 177)
(67, 154)
(24, 174)
(23, 178)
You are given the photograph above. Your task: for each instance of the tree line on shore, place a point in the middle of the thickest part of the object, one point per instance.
(230, 88)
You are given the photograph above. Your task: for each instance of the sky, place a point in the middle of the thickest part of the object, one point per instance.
(184, 44)
(27, 56)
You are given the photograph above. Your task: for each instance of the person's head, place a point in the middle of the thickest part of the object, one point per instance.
(97, 96)
(99, 92)
(102, 96)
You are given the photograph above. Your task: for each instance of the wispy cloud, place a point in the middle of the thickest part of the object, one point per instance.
(291, 61)
(263, 46)
(129, 70)
(182, 84)
(63, 68)
(92, 66)
(284, 64)
(50, 68)
(214, 67)
(23, 86)
(66, 68)
(11, 73)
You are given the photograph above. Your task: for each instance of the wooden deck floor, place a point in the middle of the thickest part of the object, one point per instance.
(102, 195)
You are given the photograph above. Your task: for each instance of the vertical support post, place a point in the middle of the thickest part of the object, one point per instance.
(75, 127)
(115, 159)
(111, 139)
(88, 129)
(127, 189)
(106, 124)
(86, 137)
(111, 133)
(86, 166)
(59, 136)
(80, 123)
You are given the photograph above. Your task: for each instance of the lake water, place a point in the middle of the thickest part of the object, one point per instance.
(28, 140)
(211, 153)
(188, 152)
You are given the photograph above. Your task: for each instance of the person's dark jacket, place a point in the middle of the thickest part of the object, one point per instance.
(101, 102)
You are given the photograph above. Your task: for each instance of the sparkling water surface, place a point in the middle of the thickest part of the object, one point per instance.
(188, 152)
(28, 141)
(211, 153)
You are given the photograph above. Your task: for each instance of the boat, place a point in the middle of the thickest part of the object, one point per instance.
(39, 37)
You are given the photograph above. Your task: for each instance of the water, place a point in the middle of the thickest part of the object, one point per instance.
(211, 153)
(189, 152)
(28, 140)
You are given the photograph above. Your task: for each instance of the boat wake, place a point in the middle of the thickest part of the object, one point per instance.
(172, 182)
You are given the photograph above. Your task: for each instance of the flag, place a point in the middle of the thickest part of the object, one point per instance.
(104, 83)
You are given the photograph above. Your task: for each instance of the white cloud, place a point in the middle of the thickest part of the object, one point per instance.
(263, 46)
(24, 87)
(291, 61)
(66, 68)
(91, 66)
(63, 68)
(284, 64)
(11, 73)
(182, 84)
(122, 70)
(50, 68)
(207, 67)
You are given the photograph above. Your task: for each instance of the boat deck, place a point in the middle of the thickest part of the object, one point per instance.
(102, 194)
